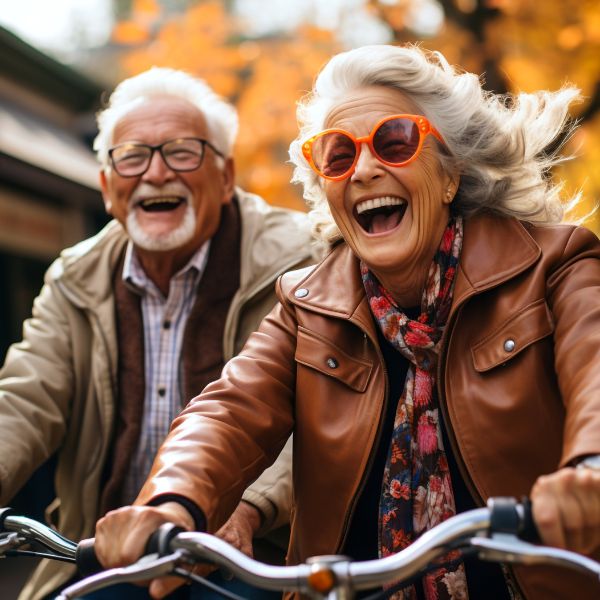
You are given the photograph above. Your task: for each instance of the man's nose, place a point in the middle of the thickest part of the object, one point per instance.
(158, 170)
(367, 166)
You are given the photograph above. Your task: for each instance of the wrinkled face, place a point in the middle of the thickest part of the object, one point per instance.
(165, 210)
(392, 217)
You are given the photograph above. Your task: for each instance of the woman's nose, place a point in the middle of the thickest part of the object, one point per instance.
(367, 166)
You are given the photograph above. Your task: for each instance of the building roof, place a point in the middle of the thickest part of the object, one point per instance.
(46, 112)
(43, 74)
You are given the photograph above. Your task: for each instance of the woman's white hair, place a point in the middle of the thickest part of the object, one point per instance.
(221, 117)
(498, 144)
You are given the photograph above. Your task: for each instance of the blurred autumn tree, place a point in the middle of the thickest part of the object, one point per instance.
(518, 45)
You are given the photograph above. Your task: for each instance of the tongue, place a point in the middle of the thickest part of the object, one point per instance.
(384, 221)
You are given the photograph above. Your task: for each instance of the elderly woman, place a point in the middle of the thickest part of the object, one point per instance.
(446, 349)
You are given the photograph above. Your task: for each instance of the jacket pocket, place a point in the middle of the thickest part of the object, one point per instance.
(324, 356)
(521, 330)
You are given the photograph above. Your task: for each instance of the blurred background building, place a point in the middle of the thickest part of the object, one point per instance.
(49, 196)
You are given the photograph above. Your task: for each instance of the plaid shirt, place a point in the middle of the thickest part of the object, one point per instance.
(164, 322)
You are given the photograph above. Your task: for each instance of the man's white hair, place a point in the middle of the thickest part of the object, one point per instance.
(221, 117)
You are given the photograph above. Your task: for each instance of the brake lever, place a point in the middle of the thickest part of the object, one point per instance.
(508, 548)
(148, 567)
(10, 541)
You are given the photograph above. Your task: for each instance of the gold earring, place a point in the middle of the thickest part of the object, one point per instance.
(449, 194)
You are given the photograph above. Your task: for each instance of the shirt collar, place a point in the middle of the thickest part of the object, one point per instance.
(135, 277)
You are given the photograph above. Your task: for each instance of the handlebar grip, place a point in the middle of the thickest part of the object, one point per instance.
(529, 531)
(158, 543)
(85, 558)
(507, 516)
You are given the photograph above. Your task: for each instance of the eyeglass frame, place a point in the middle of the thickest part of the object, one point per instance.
(159, 147)
(423, 124)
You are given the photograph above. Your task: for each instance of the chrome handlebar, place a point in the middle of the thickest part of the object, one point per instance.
(332, 577)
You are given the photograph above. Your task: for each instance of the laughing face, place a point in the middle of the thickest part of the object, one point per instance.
(392, 217)
(167, 211)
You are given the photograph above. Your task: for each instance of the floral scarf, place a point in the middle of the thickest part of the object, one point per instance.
(417, 491)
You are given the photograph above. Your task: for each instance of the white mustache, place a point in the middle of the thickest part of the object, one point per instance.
(147, 190)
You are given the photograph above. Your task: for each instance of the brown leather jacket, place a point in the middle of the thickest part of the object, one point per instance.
(315, 366)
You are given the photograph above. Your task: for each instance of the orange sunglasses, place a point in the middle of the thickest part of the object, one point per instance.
(395, 140)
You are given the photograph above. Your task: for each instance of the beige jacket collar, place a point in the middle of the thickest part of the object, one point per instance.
(267, 232)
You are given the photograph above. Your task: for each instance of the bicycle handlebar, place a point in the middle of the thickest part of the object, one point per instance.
(489, 532)
(34, 531)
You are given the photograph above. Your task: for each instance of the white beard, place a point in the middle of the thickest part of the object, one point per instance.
(161, 242)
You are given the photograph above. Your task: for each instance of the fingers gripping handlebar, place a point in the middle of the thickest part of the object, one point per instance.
(158, 543)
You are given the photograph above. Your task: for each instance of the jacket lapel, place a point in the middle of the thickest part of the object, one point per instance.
(494, 250)
(343, 294)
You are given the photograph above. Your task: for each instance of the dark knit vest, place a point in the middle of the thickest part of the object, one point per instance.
(202, 346)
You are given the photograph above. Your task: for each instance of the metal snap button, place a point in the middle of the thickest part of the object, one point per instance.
(301, 293)
(332, 363)
(509, 345)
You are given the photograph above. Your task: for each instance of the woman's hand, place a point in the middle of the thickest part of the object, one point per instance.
(566, 509)
(122, 534)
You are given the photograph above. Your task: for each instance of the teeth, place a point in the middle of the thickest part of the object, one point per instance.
(378, 203)
(165, 200)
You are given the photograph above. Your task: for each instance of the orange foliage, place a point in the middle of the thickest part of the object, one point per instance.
(130, 33)
(536, 45)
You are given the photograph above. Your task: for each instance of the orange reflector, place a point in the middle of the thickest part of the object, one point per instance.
(321, 579)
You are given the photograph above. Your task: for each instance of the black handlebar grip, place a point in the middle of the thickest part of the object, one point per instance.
(504, 517)
(85, 558)
(529, 531)
(158, 542)
(509, 517)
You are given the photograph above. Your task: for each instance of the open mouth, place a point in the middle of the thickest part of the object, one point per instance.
(161, 204)
(379, 215)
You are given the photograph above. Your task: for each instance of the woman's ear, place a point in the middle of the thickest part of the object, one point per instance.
(452, 183)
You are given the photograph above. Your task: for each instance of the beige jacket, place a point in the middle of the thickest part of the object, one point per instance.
(315, 366)
(57, 386)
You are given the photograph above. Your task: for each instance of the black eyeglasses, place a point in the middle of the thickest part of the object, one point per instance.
(131, 159)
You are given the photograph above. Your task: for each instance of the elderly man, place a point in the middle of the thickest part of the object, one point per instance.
(135, 321)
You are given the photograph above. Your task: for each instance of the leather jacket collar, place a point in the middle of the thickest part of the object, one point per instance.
(494, 251)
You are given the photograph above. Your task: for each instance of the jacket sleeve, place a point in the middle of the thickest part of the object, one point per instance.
(271, 493)
(236, 428)
(35, 392)
(574, 299)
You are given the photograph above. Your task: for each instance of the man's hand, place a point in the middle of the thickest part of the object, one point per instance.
(241, 526)
(566, 509)
(122, 534)
(237, 531)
